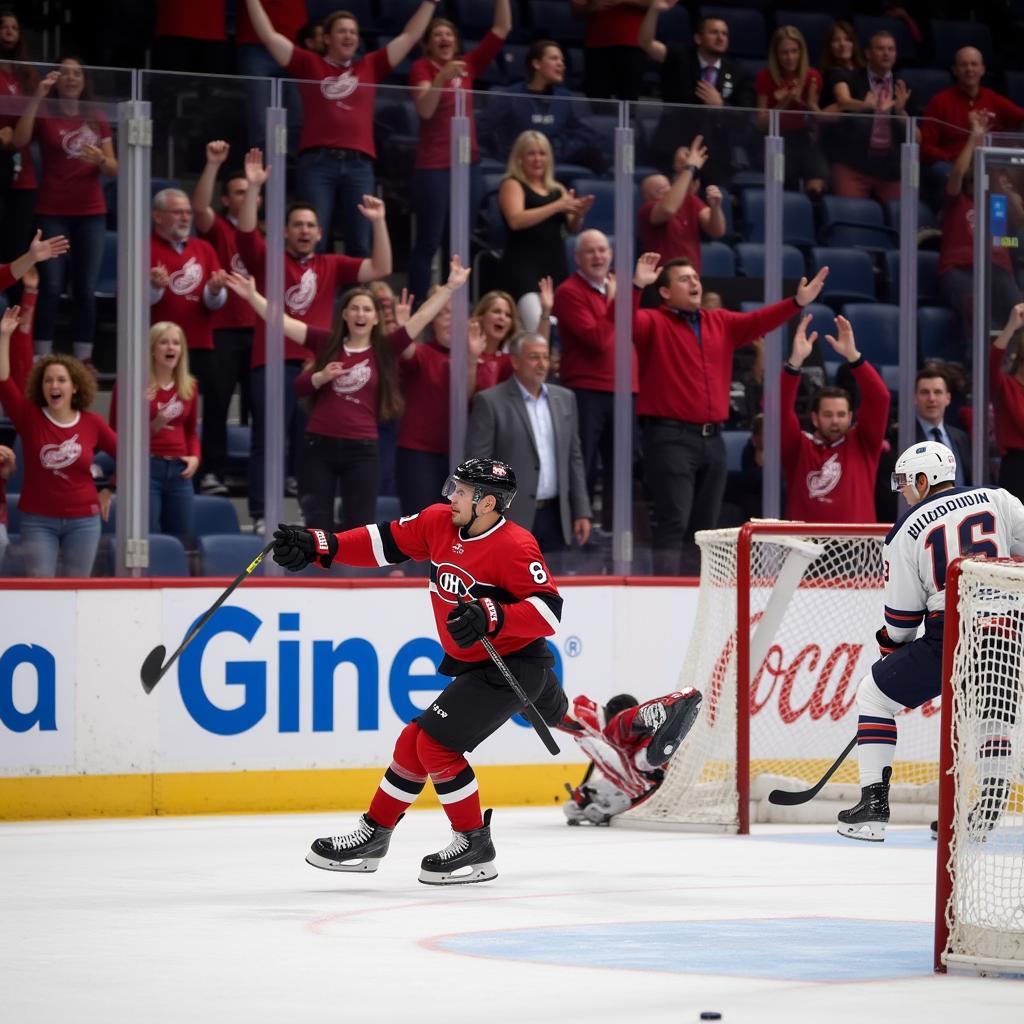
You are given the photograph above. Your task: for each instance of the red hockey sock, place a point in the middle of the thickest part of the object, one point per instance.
(454, 781)
(403, 781)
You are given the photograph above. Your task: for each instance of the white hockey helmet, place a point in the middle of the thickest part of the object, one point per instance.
(932, 458)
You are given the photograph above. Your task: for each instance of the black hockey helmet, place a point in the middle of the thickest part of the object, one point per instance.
(618, 703)
(485, 476)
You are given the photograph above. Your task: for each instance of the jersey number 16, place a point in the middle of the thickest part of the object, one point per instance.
(967, 540)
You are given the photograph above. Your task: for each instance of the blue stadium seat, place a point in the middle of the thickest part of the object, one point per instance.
(717, 260)
(929, 291)
(602, 213)
(940, 335)
(388, 508)
(214, 514)
(814, 27)
(867, 25)
(227, 554)
(856, 223)
(106, 283)
(396, 120)
(925, 214)
(566, 174)
(239, 439)
(797, 217)
(750, 261)
(674, 26)
(823, 320)
(950, 36)
(475, 17)
(317, 10)
(394, 15)
(13, 515)
(924, 83)
(747, 34)
(167, 556)
(554, 19)
(735, 442)
(876, 327)
(851, 275)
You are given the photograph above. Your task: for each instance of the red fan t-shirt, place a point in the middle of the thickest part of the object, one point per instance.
(236, 313)
(426, 386)
(182, 300)
(178, 436)
(70, 185)
(957, 248)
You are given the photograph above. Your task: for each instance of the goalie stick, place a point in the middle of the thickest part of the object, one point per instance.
(787, 798)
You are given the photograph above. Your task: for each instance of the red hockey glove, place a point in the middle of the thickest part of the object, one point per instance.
(886, 644)
(468, 622)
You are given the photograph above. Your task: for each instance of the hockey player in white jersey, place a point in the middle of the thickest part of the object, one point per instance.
(943, 522)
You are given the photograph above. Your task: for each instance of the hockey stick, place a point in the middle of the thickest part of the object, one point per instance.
(788, 799)
(153, 668)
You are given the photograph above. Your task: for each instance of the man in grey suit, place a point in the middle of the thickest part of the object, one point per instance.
(534, 427)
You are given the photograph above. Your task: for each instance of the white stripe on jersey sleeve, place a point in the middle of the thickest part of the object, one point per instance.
(376, 544)
(545, 612)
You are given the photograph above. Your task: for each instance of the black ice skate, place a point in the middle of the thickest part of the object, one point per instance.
(469, 857)
(868, 819)
(669, 719)
(360, 850)
(983, 817)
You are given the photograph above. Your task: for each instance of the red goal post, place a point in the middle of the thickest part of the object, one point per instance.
(779, 694)
(979, 890)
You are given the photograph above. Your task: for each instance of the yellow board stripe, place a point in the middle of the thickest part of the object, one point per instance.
(97, 796)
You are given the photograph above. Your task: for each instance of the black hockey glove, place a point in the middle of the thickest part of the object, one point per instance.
(295, 548)
(886, 644)
(468, 622)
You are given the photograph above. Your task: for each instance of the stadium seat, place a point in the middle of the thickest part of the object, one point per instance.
(214, 514)
(717, 260)
(167, 556)
(814, 27)
(797, 217)
(940, 335)
(750, 261)
(602, 213)
(395, 13)
(735, 442)
(13, 516)
(924, 83)
(867, 25)
(475, 17)
(239, 439)
(856, 223)
(851, 275)
(925, 214)
(387, 509)
(876, 327)
(106, 283)
(747, 34)
(227, 554)
(950, 36)
(554, 19)
(674, 26)
(929, 291)
(823, 320)
(317, 10)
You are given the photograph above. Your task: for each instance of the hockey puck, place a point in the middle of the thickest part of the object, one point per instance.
(710, 1015)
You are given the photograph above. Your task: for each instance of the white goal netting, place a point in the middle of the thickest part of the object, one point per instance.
(813, 597)
(985, 909)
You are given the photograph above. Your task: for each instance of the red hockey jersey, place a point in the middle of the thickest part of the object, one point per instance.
(504, 563)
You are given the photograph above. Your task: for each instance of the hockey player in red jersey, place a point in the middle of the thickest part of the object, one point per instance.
(475, 553)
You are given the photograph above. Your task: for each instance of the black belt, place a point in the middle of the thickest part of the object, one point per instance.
(338, 152)
(546, 503)
(704, 429)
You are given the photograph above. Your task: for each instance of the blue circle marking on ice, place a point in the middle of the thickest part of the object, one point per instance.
(798, 948)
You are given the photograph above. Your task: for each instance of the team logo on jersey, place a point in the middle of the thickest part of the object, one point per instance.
(171, 409)
(188, 278)
(56, 457)
(452, 582)
(238, 266)
(74, 142)
(339, 88)
(300, 296)
(822, 482)
(352, 378)
(458, 549)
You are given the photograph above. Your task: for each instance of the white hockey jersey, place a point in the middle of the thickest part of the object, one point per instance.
(926, 538)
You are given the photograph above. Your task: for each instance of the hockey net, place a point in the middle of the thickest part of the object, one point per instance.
(980, 880)
(780, 693)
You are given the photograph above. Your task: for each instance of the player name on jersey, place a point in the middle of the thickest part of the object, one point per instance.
(933, 512)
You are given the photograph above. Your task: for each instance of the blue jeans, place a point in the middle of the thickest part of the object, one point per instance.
(431, 204)
(171, 498)
(294, 430)
(86, 237)
(253, 60)
(327, 180)
(44, 538)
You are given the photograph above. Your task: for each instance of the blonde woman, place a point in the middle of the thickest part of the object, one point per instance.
(173, 438)
(537, 211)
(791, 85)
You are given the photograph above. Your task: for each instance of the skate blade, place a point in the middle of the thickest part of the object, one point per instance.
(870, 832)
(368, 864)
(474, 873)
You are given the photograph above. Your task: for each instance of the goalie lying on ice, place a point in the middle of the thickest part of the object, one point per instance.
(628, 753)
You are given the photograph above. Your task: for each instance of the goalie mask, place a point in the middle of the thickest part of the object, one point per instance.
(933, 459)
(485, 476)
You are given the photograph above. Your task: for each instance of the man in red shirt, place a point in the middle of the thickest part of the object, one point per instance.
(673, 215)
(830, 474)
(311, 283)
(685, 356)
(336, 150)
(186, 288)
(586, 329)
(946, 121)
